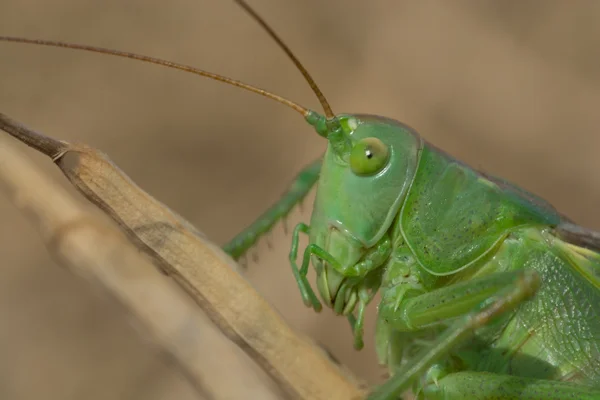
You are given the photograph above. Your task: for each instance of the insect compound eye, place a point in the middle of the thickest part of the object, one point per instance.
(369, 156)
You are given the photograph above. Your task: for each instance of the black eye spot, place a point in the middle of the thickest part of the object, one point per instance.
(369, 153)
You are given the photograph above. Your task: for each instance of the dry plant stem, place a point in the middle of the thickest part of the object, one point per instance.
(300, 368)
(578, 235)
(101, 254)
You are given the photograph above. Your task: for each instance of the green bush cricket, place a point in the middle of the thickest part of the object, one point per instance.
(487, 292)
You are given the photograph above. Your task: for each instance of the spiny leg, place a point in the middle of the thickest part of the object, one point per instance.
(300, 187)
(518, 287)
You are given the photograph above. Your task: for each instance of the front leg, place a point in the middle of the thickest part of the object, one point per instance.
(342, 287)
(308, 295)
(297, 191)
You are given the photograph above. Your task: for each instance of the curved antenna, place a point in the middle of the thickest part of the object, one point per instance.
(186, 68)
(311, 82)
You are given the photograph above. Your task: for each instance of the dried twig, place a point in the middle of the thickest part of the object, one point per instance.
(100, 253)
(300, 368)
(578, 235)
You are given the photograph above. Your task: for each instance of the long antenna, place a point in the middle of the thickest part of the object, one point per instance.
(186, 68)
(311, 82)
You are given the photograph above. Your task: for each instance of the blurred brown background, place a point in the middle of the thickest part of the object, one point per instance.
(511, 87)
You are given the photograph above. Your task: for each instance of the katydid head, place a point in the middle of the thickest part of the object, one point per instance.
(367, 169)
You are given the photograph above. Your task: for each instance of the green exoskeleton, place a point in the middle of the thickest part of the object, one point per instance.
(486, 291)
(452, 251)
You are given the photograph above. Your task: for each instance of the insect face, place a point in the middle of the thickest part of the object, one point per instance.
(360, 191)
